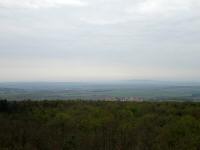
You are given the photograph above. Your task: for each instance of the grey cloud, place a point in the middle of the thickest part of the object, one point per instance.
(132, 37)
(35, 4)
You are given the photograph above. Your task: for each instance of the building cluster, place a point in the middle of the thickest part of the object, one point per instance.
(132, 98)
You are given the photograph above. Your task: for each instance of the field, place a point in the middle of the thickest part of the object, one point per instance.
(145, 90)
(99, 125)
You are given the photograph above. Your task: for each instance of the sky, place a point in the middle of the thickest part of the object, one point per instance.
(79, 40)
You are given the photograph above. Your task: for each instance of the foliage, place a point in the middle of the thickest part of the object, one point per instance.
(99, 125)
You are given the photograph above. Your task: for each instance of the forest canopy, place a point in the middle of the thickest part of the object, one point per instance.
(99, 125)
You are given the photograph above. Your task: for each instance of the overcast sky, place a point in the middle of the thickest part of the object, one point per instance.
(79, 40)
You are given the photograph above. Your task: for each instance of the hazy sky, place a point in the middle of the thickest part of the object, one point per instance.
(73, 40)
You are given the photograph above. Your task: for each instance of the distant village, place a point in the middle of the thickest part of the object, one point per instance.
(133, 99)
